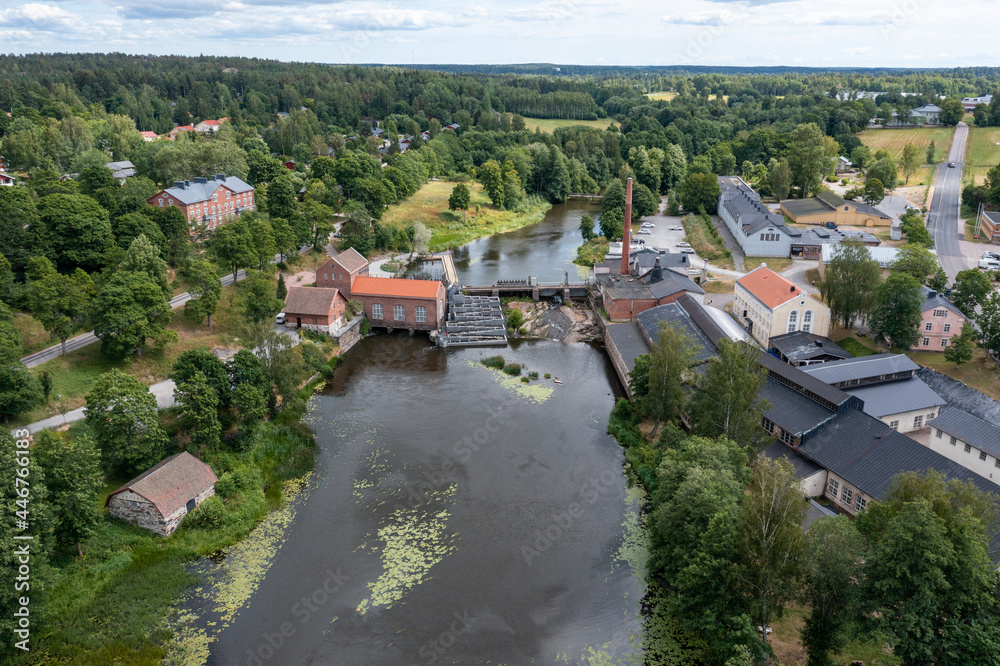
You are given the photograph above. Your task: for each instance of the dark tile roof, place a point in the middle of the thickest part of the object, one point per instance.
(802, 346)
(935, 300)
(792, 410)
(896, 397)
(672, 283)
(629, 341)
(747, 210)
(867, 453)
(310, 300)
(677, 316)
(702, 319)
(170, 483)
(862, 367)
(800, 381)
(797, 207)
(970, 429)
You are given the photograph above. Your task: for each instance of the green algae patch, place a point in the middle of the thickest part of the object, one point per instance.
(532, 392)
(634, 549)
(414, 542)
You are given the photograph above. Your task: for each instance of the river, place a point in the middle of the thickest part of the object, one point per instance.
(546, 250)
(455, 516)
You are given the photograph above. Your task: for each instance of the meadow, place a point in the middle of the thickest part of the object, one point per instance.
(981, 152)
(549, 125)
(894, 140)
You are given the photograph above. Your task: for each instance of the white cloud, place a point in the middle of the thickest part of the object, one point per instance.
(38, 16)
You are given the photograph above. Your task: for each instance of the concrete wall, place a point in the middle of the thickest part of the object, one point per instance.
(617, 360)
(954, 449)
(815, 485)
(351, 336)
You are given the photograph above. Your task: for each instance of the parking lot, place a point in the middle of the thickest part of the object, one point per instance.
(660, 236)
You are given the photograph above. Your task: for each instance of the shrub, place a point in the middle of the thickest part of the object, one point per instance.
(366, 327)
(532, 375)
(525, 380)
(548, 375)
(208, 515)
(514, 318)
(512, 369)
(225, 487)
(494, 362)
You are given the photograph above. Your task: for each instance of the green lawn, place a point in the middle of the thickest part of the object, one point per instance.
(776, 264)
(894, 140)
(665, 95)
(34, 337)
(982, 152)
(550, 125)
(429, 205)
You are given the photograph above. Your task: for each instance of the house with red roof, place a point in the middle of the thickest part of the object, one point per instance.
(768, 305)
(209, 126)
(180, 129)
(159, 498)
(148, 136)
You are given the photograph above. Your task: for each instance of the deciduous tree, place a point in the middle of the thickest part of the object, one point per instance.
(129, 310)
(122, 413)
(257, 297)
(144, 257)
(910, 161)
(459, 198)
(897, 313)
(77, 229)
(670, 356)
(19, 390)
(72, 467)
(849, 283)
(60, 302)
(959, 350)
(203, 287)
(971, 288)
(199, 403)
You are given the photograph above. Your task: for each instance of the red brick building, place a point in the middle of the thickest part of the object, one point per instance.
(207, 202)
(315, 308)
(626, 296)
(339, 272)
(399, 303)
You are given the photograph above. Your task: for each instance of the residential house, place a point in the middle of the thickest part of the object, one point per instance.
(121, 170)
(970, 103)
(6, 180)
(843, 165)
(340, 271)
(768, 305)
(828, 207)
(315, 308)
(452, 127)
(989, 226)
(885, 256)
(159, 498)
(416, 305)
(801, 348)
(940, 322)
(928, 114)
(148, 136)
(208, 126)
(207, 202)
(968, 440)
(888, 386)
(180, 129)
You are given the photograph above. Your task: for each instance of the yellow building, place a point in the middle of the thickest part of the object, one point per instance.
(768, 305)
(828, 207)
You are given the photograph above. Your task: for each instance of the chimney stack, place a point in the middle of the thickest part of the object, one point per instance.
(627, 227)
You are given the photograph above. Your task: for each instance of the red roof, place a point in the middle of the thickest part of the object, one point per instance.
(150, 134)
(210, 122)
(370, 286)
(769, 287)
(170, 483)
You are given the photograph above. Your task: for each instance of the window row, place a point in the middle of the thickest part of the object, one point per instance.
(793, 321)
(929, 326)
(968, 448)
(399, 313)
(846, 495)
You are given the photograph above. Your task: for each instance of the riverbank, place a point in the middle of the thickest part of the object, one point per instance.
(449, 229)
(545, 320)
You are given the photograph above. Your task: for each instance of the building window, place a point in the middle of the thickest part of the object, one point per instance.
(793, 321)
(894, 425)
(807, 319)
(376, 310)
(215, 197)
(982, 455)
(787, 437)
(918, 421)
(833, 487)
(944, 342)
(421, 314)
(940, 313)
(997, 463)
(846, 494)
(227, 194)
(860, 504)
(398, 313)
(926, 342)
(947, 328)
(928, 326)
(954, 440)
(768, 425)
(161, 203)
(937, 433)
(968, 448)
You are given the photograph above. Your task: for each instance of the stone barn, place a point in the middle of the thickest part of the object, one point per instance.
(159, 498)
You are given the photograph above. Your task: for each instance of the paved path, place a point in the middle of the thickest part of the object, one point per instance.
(944, 221)
(164, 392)
(84, 339)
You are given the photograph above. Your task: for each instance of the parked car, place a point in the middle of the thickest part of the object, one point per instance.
(648, 225)
(683, 244)
(280, 319)
(991, 255)
(676, 228)
(989, 265)
(687, 250)
(644, 232)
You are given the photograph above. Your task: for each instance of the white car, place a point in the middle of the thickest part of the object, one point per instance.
(676, 228)
(280, 319)
(687, 250)
(648, 225)
(645, 232)
(683, 244)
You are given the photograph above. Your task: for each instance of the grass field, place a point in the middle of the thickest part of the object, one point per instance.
(430, 207)
(706, 242)
(551, 124)
(666, 96)
(894, 140)
(982, 152)
(776, 264)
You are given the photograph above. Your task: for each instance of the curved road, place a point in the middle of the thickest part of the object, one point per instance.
(943, 221)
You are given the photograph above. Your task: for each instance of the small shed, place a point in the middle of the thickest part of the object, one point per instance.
(159, 498)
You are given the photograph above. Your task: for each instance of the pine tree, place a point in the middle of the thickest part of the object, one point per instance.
(282, 290)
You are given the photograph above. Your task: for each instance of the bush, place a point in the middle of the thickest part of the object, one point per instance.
(514, 318)
(225, 487)
(854, 347)
(366, 327)
(208, 515)
(548, 375)
(496, 362)
(532, 375)
(512, 369)
(525, 380)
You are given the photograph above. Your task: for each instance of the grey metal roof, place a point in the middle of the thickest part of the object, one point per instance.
(791, 410)
(748, 212)
(804, 468)
(798, 378)
(861, 367)
(677, 316)
(672, 283)
(821, 236)
(960, 396)
(802, 346)
(629, 341)
(935, 300)
(867, 454)
(703, 319)
(970, 429)
(896, 397)
(201, 189)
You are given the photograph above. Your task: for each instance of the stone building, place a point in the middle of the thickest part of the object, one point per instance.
(159, 498)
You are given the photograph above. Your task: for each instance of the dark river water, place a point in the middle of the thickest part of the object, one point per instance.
(545, 250)
(455, 516)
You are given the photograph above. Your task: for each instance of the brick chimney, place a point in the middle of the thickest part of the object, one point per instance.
(627, 227)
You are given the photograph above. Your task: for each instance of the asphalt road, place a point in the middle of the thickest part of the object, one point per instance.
(943, 221)
(84, 339)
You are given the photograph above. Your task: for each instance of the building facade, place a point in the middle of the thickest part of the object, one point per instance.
(968, 440)
(940, 322)
(207, 202)
(768, 305)
(315, 309)
(759, 232)
(416, 305)
(989, 226)
(827, 207)
(339, 272)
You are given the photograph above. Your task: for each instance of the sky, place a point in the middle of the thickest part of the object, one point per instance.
(841, 33)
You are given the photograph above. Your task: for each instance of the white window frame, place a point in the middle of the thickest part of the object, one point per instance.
(398, 313)
(421, 313)
(793, 321)
(929, 326)
(894, 425)
(833, 487)
(918, 421)
(377, 311)
(807, 321)
(947, 328)
(926, 342)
